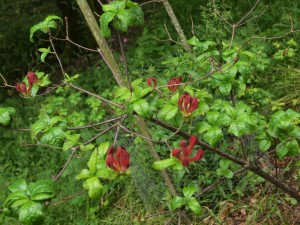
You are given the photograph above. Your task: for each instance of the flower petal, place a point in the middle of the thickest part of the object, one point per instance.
(199, 155)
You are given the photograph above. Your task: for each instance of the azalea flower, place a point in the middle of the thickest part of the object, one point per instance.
(151, 82)
(187, 104)
(184, 153)
(119, 162)
(32, 79)
(172, 81)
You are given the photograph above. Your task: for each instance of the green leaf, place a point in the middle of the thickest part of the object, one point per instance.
(194, 205)
(45, 52)
(94, 187)
(31, 214)
(227, 173)
(162, 164)
(114, 6)
(45, 25)
(53, 137)
(92, 163)
(136, 16)
(225, 88)
(189, 191)
(223, 119)
(105, 19)
(41, 124)
(264, 144)
(297, 163)
(123, 21)
(290, 148)
(5, 115)
(224, 164)
(18, 185)
(106, 173)
(17, 204)
(102, 149)
(213, 135)
(42, 189)
(83, 174)
(237, 128)
(176, 202)
(42, 196)
(282, 151)
(71, 140)
(13, 197)
(212, 117)
(203, 126)
(120, 25)
(193, 41)
(168, 112)
(141, 107)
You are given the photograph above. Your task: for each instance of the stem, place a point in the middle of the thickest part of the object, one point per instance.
(105, 50)
(176, 25)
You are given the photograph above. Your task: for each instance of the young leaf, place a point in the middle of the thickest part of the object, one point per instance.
(92, 163)
(141, 107)
(213, 135)
(5, 115)
(176, 202)
(84, 173)
(31, 213)
(189, 191)
(105, 19)
(45, 25)
(162, 164)
(94, 187)
(194, 205)
(102, 149)
(42, 189)
(168, 112)
(53, 137)
(18, 185)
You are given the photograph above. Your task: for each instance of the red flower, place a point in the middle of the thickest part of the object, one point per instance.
(183, 154)
(21, 87)
(187, 104)
(172, 81)
(151, 82)
(32, 79)
(118, 162)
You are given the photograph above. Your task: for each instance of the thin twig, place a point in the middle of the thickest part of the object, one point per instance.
(97, 124)
(124, 62)
(67, 198)
(74, 149)
(56, 55)
(94, 95)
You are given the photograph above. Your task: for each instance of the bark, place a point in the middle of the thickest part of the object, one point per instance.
(176, 25)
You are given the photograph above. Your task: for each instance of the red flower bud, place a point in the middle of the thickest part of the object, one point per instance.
(173, 83)
(32, 79)
(187, 104)
(21, 87)
(120, 161)
(184, 153)
(151, 82)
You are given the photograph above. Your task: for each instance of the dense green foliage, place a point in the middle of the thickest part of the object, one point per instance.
(248, 107)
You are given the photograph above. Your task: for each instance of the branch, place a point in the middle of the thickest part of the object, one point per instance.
(74, 149)
(94, 95)
(251, 167)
